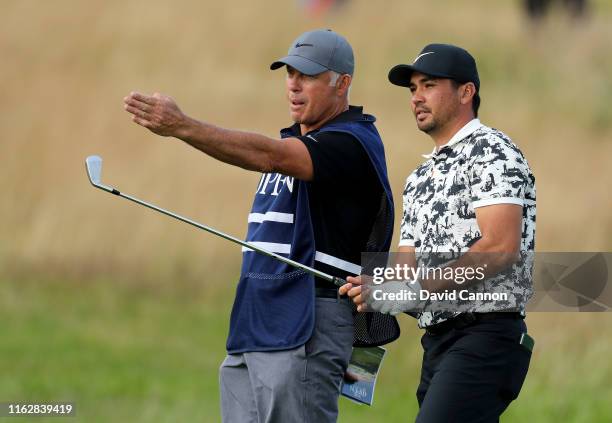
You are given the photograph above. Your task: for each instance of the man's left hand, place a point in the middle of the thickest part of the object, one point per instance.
(353, 290)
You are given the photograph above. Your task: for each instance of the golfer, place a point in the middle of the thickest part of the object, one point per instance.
(473, 198)
(322, 199)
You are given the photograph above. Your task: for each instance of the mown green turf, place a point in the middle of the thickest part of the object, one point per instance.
(148, 353)
(121, 354)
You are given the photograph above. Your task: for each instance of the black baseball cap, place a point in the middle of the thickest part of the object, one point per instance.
(318, 51)
(441, 61)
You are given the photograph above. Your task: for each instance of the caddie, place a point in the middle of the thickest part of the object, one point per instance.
(322, 199)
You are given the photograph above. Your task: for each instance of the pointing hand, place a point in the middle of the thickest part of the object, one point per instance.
(158, 113)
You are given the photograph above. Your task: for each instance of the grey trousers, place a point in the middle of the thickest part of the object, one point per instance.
(297, 385)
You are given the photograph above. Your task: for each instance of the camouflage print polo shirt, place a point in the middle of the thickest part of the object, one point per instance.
(479, 166)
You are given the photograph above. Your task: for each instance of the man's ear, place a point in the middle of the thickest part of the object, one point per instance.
(468, 91)
(343, 84)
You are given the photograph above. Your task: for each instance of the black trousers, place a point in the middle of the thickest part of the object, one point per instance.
(473, 373)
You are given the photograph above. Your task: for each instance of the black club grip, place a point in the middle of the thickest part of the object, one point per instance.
(339, 281)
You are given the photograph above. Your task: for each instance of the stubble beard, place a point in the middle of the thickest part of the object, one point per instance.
(435, 123)
(427, 126)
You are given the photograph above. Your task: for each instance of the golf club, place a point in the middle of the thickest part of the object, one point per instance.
(94, 172)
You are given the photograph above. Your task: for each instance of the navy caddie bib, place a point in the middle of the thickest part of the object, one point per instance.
(274, 304)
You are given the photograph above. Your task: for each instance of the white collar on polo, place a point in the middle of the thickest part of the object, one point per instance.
(467, 130)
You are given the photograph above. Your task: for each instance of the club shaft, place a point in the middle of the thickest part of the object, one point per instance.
(337, 281)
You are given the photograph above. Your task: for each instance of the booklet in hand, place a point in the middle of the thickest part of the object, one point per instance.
(360, 377)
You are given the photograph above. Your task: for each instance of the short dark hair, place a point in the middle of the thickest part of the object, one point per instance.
(475, 99)
(476, 104)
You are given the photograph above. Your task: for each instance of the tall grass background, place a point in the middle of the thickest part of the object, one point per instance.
(125, 311)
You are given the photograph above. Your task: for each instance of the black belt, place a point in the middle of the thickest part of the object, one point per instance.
(330, 293)
(326, 292)
(466, 319)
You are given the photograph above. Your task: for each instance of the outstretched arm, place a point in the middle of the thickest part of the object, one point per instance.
(162, 116)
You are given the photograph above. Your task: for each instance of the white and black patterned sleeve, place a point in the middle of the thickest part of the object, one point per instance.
(499, 173)
(406, 227)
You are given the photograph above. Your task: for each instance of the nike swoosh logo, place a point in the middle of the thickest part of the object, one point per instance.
(421, 55)
(303, 45)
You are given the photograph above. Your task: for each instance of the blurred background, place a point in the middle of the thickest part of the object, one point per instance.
(125, 312)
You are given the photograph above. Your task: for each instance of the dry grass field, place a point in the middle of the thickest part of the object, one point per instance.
(90, 283)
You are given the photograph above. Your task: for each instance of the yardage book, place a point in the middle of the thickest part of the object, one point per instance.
(362, 371)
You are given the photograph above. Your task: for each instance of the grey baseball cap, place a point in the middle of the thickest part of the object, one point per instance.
(318, 51)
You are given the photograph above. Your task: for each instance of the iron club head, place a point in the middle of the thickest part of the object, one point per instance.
(94, 172)
(94, 169)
